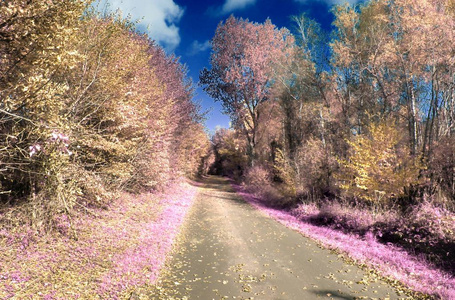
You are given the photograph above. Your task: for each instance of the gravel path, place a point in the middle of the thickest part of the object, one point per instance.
(229, 250)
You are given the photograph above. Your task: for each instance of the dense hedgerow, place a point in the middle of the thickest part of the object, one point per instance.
(89, 108)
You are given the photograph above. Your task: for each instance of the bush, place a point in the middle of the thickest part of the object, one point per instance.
(258, 180)
(379, 167)
(441, 168)
(346, 217)
(257, 177)
(90, 107)
(425, 229)
(314, 167)
(285, 173)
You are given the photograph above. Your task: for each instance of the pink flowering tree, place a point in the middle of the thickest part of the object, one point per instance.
(241, 77)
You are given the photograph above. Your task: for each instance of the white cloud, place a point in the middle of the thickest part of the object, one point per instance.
(330, 2)
(231, 5)
(197, 47)
(159, 18)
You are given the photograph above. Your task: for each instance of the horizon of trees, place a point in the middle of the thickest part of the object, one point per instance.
(365, 112)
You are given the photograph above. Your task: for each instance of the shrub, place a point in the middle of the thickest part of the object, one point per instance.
(89, 106)
(285, 173)
(258, 180)
(314, 168)
(441, 168)
(429, 224)
(257, 177)
(379, 166)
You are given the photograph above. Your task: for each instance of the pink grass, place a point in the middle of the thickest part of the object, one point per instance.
(120, 250)
(390, 261)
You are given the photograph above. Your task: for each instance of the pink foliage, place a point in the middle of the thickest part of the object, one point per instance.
(257, 178)
(123, 248)
(246, 50)
(390, 261)
(143, 261)
(243, 59)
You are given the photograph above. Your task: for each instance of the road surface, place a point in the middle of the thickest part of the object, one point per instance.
(229, 250)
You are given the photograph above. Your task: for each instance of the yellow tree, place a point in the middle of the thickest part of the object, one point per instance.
(379, 166)
(118, 109)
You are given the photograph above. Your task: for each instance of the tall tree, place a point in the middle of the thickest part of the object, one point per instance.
(242, 59)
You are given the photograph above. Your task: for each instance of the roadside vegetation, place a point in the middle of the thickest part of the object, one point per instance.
(348, 134)
(351, 130)
(98, 132)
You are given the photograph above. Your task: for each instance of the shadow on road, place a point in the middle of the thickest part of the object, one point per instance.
(332, 295)
(216, 184)
(228, 250)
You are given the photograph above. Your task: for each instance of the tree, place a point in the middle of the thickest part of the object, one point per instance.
(379, 167)
(230, 153)
(184, 116)
(242, 60)
(131, 107)
(395, 59)
(302, 95)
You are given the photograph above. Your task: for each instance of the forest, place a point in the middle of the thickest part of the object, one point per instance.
(352, 130)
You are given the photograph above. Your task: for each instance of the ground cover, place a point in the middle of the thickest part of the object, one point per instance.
(107, 254)
(388, 260)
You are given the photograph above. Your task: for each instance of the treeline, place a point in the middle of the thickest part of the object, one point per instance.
(89, 107)
(365, 113)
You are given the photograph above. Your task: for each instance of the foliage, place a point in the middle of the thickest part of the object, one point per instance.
(119, 250)
(386, 63)
(426, 228)
(242, 60)
(230, 154)
(285, 173)
(186, 138)
(379, 167)
(392, 262)
(89, 108)
(36, 142)
(109, 123)
(314, 167)
(305, 113)
(257, 178)
(441, 168)
(362, 128)
(382, 64)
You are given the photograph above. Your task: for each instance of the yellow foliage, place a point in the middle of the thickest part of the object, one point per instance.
(84, 94)
(285, 172)
(379, 166)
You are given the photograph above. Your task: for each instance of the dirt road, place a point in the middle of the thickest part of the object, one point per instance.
(229, 250)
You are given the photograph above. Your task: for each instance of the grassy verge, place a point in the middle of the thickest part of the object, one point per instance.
(388, 260)
(116, 251)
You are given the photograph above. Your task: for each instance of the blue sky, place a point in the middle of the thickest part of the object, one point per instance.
(185, 27)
